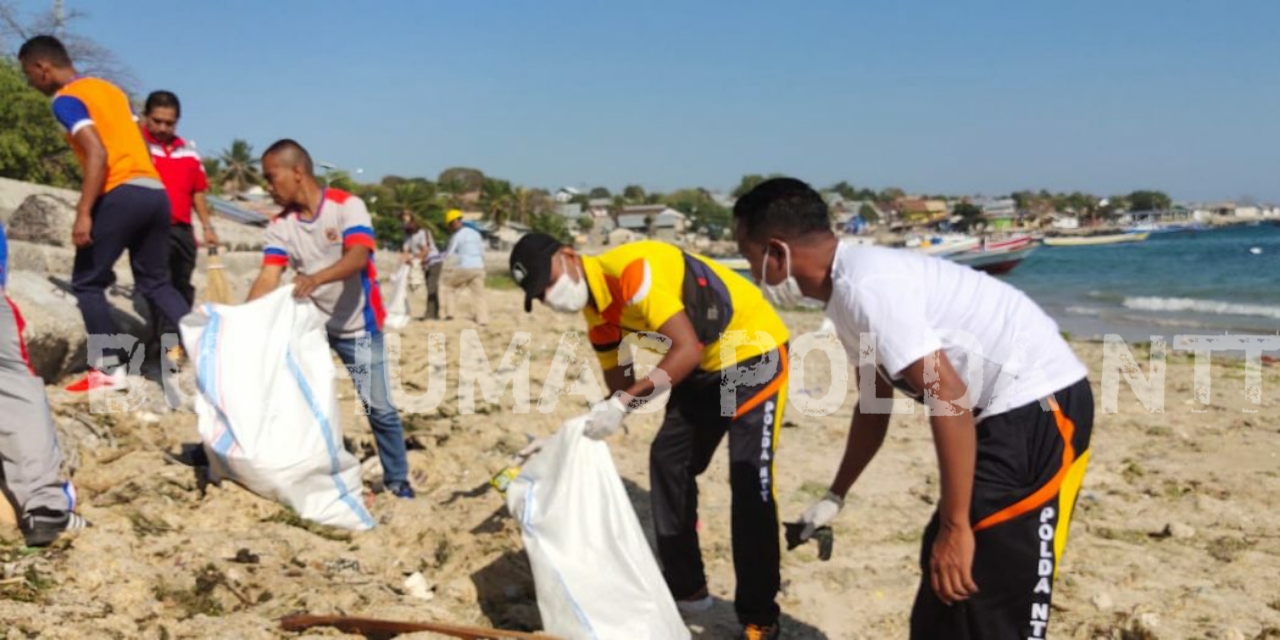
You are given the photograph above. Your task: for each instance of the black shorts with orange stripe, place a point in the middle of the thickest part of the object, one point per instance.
(1031, 461)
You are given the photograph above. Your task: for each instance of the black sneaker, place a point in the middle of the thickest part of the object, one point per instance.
(761, 632)
(42, 525)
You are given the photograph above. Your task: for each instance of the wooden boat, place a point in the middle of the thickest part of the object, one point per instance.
(943, 245)
(995, 261)
(1008, 244)
(1106, 238)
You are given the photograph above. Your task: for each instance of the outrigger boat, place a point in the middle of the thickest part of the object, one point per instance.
(1106, 238)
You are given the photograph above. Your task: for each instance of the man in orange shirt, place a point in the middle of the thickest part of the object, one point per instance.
(122, 201)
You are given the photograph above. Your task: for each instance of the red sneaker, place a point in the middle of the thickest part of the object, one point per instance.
(98, 380)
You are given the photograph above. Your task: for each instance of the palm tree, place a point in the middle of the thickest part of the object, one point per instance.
(415, 196)
(496, 199)
(212, 170)
(240, 167)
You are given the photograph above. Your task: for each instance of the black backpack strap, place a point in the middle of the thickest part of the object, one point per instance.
(706, 300)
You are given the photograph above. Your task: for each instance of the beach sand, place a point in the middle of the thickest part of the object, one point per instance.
(1177, 532)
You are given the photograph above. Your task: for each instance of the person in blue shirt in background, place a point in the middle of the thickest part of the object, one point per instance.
(464, 268)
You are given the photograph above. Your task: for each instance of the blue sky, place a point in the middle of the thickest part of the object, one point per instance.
(952, 97)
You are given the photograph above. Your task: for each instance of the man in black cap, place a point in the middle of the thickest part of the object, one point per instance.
(723, 340)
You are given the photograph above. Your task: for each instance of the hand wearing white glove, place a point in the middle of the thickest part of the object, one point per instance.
(605, 418)
(820, 514)
(529, 450)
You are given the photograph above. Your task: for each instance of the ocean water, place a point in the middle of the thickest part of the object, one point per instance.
(1206, 282)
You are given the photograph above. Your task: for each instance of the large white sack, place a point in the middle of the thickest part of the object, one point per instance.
(398, 309)
(592, 567)
(268, 414)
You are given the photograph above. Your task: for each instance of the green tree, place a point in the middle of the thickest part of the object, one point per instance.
(469, 180)
(1115, 205)
(415, 196)
(1149, 201)
(551, 225)
(340, 179)
(91, 58)
(705, 214)
(212, 170)
(633, 193)
(599, 192)
(496, 201)
(31, 148)
(970, 215)
(845, 190)
(586, 224)
(889, 194)
(868, 214)
(240, 167)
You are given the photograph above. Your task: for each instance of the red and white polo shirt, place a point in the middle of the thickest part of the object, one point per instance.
(181, 171)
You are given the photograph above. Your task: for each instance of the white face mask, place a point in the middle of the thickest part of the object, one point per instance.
(786, 293)
(566, 295)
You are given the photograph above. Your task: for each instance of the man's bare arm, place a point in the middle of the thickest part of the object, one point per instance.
(91, 185)
(267, 281)
(866, 435)
(956, 441)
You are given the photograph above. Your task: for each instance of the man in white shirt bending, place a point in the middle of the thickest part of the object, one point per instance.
(1008, 402)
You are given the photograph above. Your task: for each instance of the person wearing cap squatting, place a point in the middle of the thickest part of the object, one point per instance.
(467, 273)
(722, 340)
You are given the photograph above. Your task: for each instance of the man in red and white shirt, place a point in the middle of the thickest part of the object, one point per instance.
(185, 182)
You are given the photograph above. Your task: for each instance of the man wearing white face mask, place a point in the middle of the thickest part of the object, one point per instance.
(723, 342)
(1009, 405)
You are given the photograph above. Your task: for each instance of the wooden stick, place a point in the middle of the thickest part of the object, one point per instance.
(375, 628)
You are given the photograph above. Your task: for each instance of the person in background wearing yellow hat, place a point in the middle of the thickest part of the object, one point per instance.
(465, 270)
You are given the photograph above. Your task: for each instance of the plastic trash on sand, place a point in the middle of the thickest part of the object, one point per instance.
(266, 407)
(593, 570)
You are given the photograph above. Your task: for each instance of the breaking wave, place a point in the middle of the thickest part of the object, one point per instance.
(1202, 306)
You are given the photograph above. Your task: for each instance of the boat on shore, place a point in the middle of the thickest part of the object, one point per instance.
(941, 246)
(1164, 229)
(1099, 239)
(997, 258)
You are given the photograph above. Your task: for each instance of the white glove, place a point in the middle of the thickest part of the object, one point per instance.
(605, 418)
(528, 451)
(820, 514)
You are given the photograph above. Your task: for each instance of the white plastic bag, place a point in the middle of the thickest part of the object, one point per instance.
(592, 567)
(268, 414)
(398, 310)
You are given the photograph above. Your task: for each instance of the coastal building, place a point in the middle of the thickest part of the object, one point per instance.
(1000, 213)
(657, 221)
(565, 194)
(569, 210)
(853, 212)
(1064, 221)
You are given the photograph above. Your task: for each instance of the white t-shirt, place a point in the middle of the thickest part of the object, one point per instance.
(1006, 349)
(354, 305)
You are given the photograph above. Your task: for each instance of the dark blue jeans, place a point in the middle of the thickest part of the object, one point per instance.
(134, 218)
(366, 361)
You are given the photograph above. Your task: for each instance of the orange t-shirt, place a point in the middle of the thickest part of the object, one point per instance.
(91, 101)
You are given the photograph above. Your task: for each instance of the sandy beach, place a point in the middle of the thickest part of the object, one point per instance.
(1177, 532)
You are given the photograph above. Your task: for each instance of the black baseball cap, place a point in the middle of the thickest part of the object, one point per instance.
(531, 265)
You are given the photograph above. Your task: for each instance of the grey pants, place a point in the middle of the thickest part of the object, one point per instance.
(29, 452)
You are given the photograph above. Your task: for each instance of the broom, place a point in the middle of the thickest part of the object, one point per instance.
(216, 289)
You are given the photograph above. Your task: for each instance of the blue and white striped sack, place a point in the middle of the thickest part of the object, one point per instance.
(266, 406)
(593, 571)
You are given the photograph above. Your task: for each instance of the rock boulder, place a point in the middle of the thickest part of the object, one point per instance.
(43, 219)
